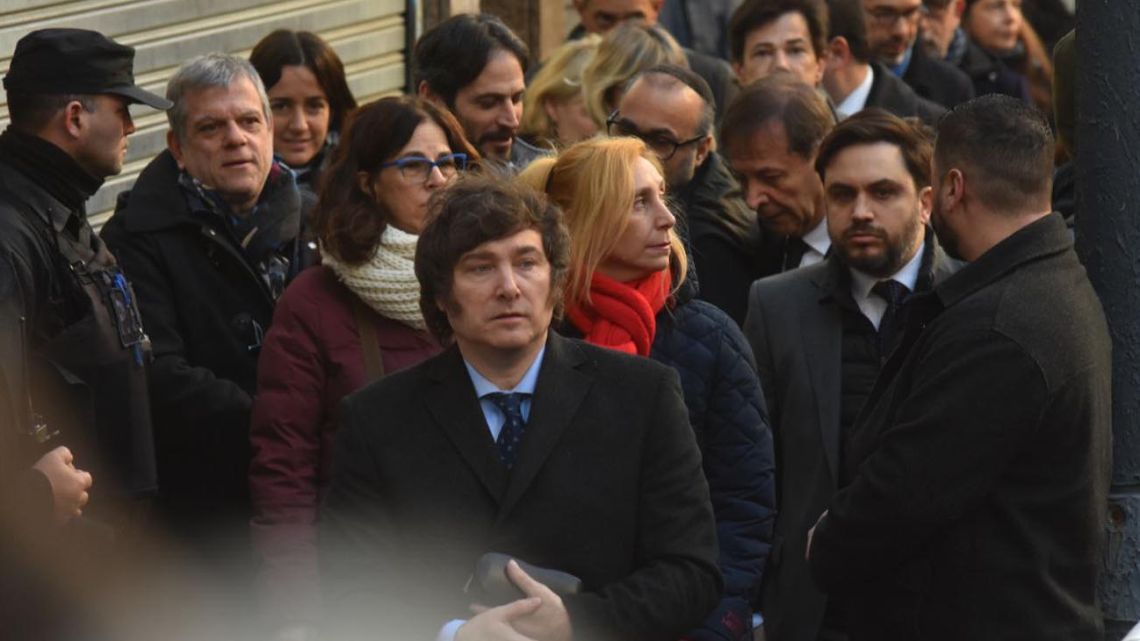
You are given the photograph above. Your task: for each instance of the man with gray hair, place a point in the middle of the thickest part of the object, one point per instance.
(210, 236)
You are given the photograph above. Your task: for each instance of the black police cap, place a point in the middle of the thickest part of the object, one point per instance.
(75, 61)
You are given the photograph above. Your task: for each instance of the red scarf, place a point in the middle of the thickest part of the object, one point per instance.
(623, 316)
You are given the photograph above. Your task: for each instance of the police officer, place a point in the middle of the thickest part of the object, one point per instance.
(73, 353)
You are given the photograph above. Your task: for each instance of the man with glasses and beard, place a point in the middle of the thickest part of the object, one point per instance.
(821, 333)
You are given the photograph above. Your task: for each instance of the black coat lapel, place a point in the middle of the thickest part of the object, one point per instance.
(560, 390)
(453, 405)
(822, 331)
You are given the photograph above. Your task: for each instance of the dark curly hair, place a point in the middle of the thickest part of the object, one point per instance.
(476, 210)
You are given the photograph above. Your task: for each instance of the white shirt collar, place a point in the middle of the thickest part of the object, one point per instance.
(857, 99)
(873, 306)
(818, 242)
(526, 384)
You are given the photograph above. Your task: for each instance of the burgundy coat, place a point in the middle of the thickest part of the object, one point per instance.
(310, 360)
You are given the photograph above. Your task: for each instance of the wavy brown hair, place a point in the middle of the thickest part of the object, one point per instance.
(347, 220)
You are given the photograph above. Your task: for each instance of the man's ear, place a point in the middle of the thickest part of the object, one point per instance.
(425, 92)
(736, 67)
(822, 60)
(704, 147)
(959, 7)
(175, 147)
(74, 119)
(838, 51)
(925, 204)
(954, 189)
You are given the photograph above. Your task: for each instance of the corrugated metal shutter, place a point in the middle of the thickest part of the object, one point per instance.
(369, 36)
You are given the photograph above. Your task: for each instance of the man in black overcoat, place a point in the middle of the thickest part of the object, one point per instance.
(981, 461)
(519, 441)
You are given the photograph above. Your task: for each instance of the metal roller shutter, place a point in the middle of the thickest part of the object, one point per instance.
(370, 36)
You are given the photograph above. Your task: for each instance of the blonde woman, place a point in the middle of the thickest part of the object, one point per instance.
(627, 291)
(627, 49)
(554, 107)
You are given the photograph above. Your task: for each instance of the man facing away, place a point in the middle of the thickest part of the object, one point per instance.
(515, 440)
(820, 335)
(981, 462)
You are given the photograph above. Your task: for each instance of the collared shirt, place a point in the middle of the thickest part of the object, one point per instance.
(495, 420)
(483, 387)
(818, 244)
(857, 99)
(874, 306)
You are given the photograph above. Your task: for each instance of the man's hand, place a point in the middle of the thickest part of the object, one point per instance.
(496, 624)
(550, 622)
(811, 533)
(68, 485)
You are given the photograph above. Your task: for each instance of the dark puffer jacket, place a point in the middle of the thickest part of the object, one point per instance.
(730, 419)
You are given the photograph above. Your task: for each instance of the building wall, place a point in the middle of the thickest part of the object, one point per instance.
(369, 36)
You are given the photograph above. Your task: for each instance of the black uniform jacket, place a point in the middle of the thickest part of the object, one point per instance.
(982, 459)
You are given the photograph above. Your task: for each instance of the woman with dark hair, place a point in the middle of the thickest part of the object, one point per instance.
(308, 95)
(341, 325)
(626, 290)
(1000, 29)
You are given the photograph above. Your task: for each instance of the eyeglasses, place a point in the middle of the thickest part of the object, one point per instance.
(418, 169)
(887, 17)
(663, 146)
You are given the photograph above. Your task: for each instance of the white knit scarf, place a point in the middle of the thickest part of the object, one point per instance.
(387, 282)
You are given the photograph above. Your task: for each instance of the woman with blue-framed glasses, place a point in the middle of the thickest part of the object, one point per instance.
(341, 325)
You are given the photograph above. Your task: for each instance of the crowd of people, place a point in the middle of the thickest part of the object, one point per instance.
(762, 323)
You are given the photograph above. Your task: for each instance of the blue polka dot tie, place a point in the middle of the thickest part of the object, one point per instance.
(513, 426)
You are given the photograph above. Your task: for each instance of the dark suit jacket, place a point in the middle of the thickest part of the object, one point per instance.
(608, 486)
(892, 94)
(983, 458)
(795, 326)
(937, 81)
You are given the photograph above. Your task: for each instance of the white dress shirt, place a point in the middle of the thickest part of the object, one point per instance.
(856, 101)
(874, 306)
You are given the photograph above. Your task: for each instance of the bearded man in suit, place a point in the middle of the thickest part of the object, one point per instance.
(821, 333)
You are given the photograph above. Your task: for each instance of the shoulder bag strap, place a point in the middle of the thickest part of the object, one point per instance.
(369, 345)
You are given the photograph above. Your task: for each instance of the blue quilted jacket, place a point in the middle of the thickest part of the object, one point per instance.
(730, 420)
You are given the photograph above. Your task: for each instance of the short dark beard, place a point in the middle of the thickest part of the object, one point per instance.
(889, 261)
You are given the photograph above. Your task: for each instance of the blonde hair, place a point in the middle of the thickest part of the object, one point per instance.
(560, 79)
(593, 183)
(627, 49)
